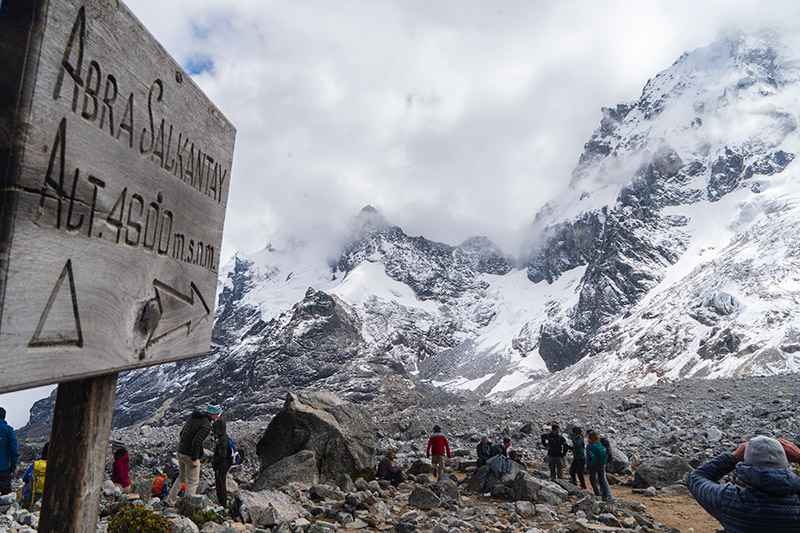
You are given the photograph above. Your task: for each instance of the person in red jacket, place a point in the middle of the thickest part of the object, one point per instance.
(120, 471)
(438, 449)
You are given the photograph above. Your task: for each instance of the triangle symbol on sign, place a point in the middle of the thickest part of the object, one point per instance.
(60, 322)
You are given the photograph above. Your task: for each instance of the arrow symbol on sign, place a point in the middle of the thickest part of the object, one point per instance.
(178, 310)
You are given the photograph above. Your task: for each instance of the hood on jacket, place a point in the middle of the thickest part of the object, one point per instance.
(774, 481)
(198, 414)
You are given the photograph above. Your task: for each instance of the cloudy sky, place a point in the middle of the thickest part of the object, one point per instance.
(454, 118)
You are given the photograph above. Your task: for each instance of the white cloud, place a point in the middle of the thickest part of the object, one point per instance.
(454, 117)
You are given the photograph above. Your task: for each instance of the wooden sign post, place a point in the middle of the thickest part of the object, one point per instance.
(114, 177)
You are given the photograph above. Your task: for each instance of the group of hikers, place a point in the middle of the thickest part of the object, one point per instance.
(765, 494)
(190, 450)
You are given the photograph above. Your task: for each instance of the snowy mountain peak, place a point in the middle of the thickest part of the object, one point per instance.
(672, 253)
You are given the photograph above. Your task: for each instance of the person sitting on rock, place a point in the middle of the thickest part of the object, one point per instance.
(484, 451)
(120, 470)
(557, 448)
(190, 451)
(34, 476)
(578, 466)
(437, 450)
(596, 460)
(769, 499)
(389, 471)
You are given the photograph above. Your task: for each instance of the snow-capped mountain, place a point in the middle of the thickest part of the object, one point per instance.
(673, 252)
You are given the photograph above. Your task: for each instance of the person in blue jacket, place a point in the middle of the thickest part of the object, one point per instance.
(768, 499)
(9, 453)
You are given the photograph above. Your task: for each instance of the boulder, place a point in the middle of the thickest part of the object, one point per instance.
(631, 402)
(299, 468)
(661, 472)
(267, 508)
(423, 498)
(341, 435)
(620, 463)
(533, 489)
(447, 490)
(497, 470)
(420, 467)
(181, 524)
(524, 509)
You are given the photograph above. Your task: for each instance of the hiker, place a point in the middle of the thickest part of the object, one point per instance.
(596, 460)
(120, 470)
(34, 478)
(9, 454)
(769, 498)
(557, 447)
(222, 461)
(160, 486)
(506, 446)
(438, 448)
(484, 450)
(578, 466)
(190, 451)
(389, 471)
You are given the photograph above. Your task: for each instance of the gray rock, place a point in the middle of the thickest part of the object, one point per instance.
(341, 435)
(525, 509)
(661, 472)
(182, 524)
(268, 508)
(298, 468)
(423, 498)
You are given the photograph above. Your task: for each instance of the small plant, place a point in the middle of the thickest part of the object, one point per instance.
(137, 519)
(201, 518)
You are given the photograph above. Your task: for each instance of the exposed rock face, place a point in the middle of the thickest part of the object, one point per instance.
(300, 467)
(341, 435)
(661, 472)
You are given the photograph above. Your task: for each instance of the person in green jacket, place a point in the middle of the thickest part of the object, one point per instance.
(596, 459)
(578, 466)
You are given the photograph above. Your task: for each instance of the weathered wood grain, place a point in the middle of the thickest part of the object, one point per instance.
(77, 455)
(113, 203)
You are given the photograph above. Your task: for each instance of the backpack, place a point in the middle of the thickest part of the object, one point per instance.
(158, 489)
(607, 445)
(236, 456)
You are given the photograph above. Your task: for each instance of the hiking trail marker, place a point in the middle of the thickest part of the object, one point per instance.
(115, 174)
(114, 178)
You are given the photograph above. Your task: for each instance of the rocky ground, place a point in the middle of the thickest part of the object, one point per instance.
(659, 434)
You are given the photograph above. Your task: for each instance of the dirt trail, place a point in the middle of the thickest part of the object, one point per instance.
(678, 511)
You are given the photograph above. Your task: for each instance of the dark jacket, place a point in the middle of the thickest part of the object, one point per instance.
(578, 449)
(596, 455)
(193, 434)
(769, 502)
(485, 452)
(387, 469)
(222, 449)
(9, 453)
(556, 444)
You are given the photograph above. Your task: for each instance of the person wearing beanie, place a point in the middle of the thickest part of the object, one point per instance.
(767, 496)
(190, 450)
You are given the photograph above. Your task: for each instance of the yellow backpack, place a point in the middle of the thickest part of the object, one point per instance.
(39, 470)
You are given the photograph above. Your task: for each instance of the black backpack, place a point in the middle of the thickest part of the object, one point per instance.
(607, 445)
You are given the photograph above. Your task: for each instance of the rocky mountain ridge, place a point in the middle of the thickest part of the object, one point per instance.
(671, 254)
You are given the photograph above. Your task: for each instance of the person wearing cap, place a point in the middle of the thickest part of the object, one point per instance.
(437, 450)
(190, 450)
(768, 497)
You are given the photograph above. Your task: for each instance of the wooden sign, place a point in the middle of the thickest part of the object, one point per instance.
(114, 177)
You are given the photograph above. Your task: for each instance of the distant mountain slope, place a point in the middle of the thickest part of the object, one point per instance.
(673, 252)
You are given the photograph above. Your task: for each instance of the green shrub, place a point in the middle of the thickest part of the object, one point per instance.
(137, 519)
(201, 518)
